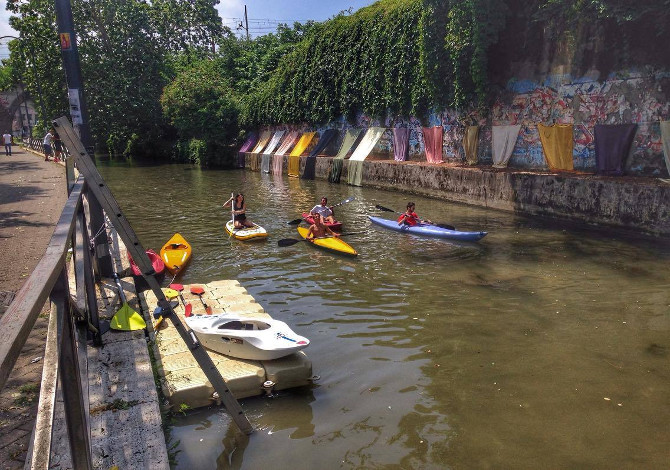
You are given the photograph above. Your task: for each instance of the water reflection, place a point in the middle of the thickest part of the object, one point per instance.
(545, 345)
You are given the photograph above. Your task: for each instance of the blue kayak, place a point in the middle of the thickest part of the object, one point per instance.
(426, 230)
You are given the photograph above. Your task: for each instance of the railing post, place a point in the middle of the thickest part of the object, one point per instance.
(88, 281)
(70, 378)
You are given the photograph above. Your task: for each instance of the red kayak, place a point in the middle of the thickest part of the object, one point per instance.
(307, 217)
(155, 259)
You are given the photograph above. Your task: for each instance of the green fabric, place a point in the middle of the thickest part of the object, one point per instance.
(336, 170)
(355, 172)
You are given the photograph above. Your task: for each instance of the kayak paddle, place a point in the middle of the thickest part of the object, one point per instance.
(386, 209)
(125, 319)
(297, 221)
(179, 288)
(197, 290)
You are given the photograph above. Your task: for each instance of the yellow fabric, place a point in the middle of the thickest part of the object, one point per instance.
(262, 141)
(471, 144)
(557, 143)
(294, 157)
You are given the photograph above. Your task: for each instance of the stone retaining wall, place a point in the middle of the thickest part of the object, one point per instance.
(641, 204)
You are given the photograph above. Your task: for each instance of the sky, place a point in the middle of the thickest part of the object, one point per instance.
(263, 15)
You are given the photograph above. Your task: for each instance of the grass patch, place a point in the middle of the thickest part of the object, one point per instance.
(116, 405)
(28, 394)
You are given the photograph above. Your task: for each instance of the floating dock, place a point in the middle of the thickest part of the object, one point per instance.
(182, 379)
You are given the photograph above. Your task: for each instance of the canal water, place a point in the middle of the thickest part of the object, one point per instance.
(544, 345)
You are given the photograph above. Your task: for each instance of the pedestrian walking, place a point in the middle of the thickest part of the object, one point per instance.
(58, 147)
(47, 144)
(7, 140)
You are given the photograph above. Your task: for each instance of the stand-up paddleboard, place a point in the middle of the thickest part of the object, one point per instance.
(247, 233)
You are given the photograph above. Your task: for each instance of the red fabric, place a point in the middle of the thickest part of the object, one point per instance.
(432, 139)
(410, 219)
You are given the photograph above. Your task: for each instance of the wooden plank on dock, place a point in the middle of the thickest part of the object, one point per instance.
(184, 382)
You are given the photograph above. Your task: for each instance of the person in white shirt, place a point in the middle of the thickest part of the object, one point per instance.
(47, 145)
(7, 140)
(324, 210)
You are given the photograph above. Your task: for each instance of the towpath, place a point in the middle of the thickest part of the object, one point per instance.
(32, 195)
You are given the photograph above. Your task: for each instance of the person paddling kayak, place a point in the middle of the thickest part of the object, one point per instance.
(324, 210)
(239, 211)
(319, 230)
(410, 217)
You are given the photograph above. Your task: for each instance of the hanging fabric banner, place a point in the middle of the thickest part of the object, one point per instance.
(613, 143)
(294, 158)
(338, 161)
(277, 164)
(665, 135)
(400, 143)
(310, 162)
(274, 142)
(262, 141)
(265, 162)
(503, 142)
(432, 140)
(471, 144)
(250, 142)
(557, 144)
(288, 143)
(355, 166)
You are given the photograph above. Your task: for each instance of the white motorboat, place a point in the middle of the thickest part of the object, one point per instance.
(246, 338)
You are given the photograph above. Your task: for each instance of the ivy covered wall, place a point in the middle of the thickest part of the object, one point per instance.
(419, 63)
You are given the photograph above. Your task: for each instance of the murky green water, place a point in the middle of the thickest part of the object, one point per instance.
(542, 346)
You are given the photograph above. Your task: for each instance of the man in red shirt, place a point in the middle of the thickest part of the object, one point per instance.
(410, 218)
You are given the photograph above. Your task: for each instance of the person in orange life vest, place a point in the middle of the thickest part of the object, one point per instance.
(410, 217)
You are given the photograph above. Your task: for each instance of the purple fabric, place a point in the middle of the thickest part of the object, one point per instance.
(248, 145)
(613, 143)
(432, 138)
(400, 143)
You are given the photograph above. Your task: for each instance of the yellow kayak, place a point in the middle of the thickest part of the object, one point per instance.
(176, 253)
(247, 233)
(329, 243)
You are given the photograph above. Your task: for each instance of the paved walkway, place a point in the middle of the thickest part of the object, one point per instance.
(32, 195)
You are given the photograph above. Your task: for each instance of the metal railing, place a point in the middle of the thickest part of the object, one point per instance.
(50, 281)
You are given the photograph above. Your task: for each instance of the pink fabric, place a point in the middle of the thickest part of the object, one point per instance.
(432, 138)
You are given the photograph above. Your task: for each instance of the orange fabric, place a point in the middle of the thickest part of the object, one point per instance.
(557, 144)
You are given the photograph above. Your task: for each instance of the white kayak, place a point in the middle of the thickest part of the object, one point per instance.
(246, 338)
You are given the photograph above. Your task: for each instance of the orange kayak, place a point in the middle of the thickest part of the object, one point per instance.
(176, 253)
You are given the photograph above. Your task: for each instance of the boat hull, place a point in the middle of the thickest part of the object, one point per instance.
(246, 338)
(329, 243)
(252, 233)
(176, 253)
(428, 230)
(156, 262)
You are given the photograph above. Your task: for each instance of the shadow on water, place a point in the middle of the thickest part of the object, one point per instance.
(542, 346)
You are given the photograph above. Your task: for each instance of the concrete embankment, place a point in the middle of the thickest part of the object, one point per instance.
(637, 203)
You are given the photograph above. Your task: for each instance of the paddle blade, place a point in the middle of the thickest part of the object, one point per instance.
(349, 199)
(170, 293)
(197, 290)
(127, 319)
(447, 226)
(385, 209)
(288, 241)
(188, 310)
(295, 221)
(177, 287)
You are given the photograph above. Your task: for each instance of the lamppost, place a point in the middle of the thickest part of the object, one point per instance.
(37, 83)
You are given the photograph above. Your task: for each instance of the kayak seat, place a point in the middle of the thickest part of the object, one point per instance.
(232, 325)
